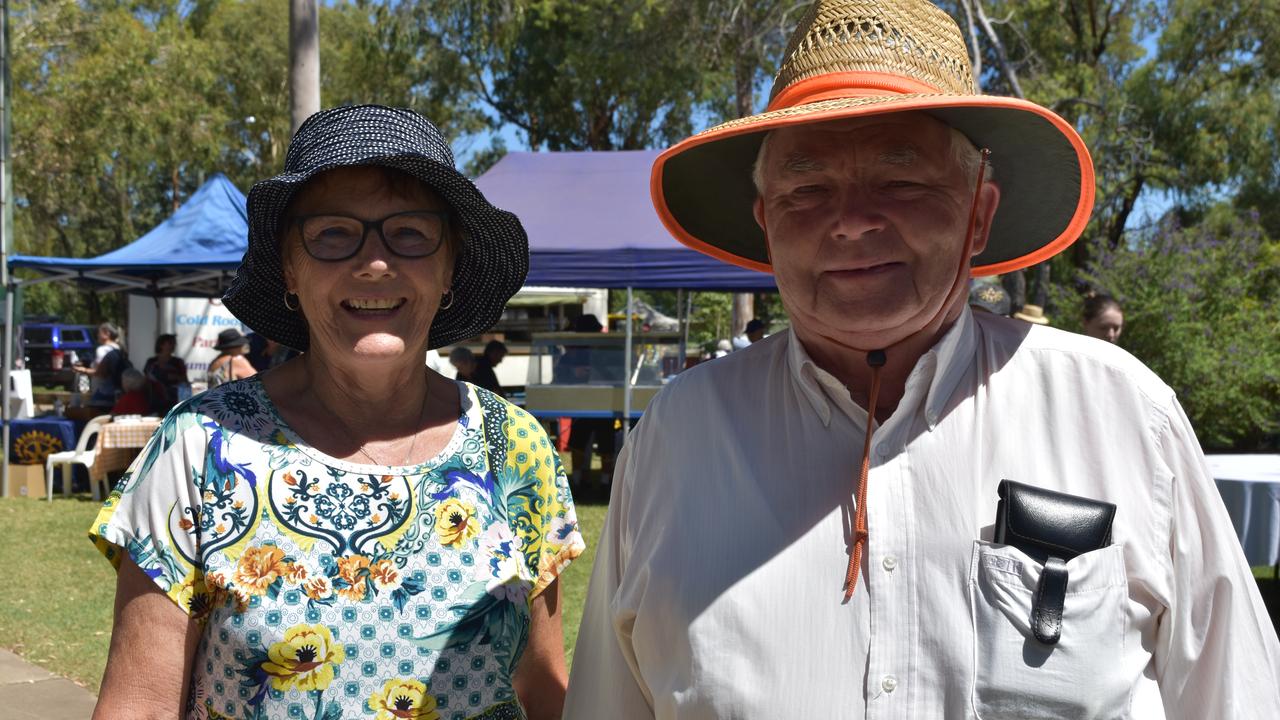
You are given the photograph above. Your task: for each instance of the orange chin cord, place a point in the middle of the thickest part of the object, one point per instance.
(876, 359)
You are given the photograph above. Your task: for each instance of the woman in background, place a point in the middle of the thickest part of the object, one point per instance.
(232, 362)
(1103, 318)
(109, 362)
(167, 369)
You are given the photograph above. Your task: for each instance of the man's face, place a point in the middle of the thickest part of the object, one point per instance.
(865, 221)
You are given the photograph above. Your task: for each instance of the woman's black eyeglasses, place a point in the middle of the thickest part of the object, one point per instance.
(414, 234)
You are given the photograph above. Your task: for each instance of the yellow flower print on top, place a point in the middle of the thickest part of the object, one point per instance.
(385, 575)
(195, 596)
(304, 659)
(258, 568)
(354, 569)
(456, 522)
(402, 698)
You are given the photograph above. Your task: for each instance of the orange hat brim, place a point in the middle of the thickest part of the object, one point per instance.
(703, 193)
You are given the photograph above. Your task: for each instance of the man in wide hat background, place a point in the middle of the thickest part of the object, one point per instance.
(824, 545)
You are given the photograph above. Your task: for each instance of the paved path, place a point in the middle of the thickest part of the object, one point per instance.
(28, 692)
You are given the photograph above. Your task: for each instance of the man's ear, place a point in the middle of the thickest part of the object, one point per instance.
(757, 210)
(988, 201)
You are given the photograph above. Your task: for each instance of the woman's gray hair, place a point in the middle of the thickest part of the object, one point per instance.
(132, 379)
(966, 155)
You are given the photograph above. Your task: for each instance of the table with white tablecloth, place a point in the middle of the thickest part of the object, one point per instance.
(1250, 488)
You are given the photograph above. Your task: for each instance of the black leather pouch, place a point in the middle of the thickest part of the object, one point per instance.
(1052, 528)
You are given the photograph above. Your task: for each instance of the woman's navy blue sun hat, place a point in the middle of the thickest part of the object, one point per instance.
(491, 263)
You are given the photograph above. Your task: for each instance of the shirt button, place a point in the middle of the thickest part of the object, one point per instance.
(889, 683)
(883, 450)
(890, 562)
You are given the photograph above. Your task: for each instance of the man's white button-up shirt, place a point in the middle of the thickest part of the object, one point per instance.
(717, 586)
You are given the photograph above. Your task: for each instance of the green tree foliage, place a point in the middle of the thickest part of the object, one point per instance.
(1201, 310)
(575, 74)
(100, 145)
(1176, 99)
(122, 109)
(609, 74)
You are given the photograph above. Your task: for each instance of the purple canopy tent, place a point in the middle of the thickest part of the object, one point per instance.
(591, 224)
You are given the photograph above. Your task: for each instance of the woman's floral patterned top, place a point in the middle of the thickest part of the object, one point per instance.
(329, 589)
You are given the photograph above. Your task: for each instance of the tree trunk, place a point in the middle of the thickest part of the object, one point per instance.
(743, 312)
(304, 61)
(1042, 284)
(745, 99)
(1015, 283)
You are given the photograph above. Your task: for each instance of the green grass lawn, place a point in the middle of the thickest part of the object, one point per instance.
(57, 610)
(573, 589)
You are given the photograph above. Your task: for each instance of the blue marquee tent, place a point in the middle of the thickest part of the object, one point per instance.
(591, 224)
(193, 253)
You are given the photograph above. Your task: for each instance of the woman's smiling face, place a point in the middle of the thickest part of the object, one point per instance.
(375, 305)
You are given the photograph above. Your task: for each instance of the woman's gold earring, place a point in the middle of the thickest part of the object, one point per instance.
(446, 300)
(293, 307)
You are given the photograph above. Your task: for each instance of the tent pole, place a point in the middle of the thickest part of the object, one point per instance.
(684, 335)
(9, 291)
(688, 320)
(626, 374)
(6, 237)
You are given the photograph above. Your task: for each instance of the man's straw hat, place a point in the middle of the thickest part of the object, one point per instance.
(855, 58)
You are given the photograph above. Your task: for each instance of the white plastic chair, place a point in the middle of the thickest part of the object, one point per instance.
(82, 455)
(21, 399)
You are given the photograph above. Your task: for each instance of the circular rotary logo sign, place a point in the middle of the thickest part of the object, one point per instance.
(33, 447)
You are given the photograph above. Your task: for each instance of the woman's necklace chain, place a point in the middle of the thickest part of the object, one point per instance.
(426, 391)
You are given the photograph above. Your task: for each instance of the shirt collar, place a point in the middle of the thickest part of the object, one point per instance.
(938, 372)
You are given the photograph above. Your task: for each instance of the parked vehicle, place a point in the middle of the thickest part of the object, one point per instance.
(49, 349)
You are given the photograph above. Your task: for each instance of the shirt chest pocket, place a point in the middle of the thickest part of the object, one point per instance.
(1017, 676)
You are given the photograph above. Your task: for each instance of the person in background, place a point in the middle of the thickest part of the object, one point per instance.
(582, 364)
(989, 297)
(231, 363)
(484, 376)
(435, 362)
(109, 362)
(139, 397)
(464, 363)
(167, 369)
(259, 355)
(574, 364)
(1103, 318)
(752, 333)
(265, 353)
